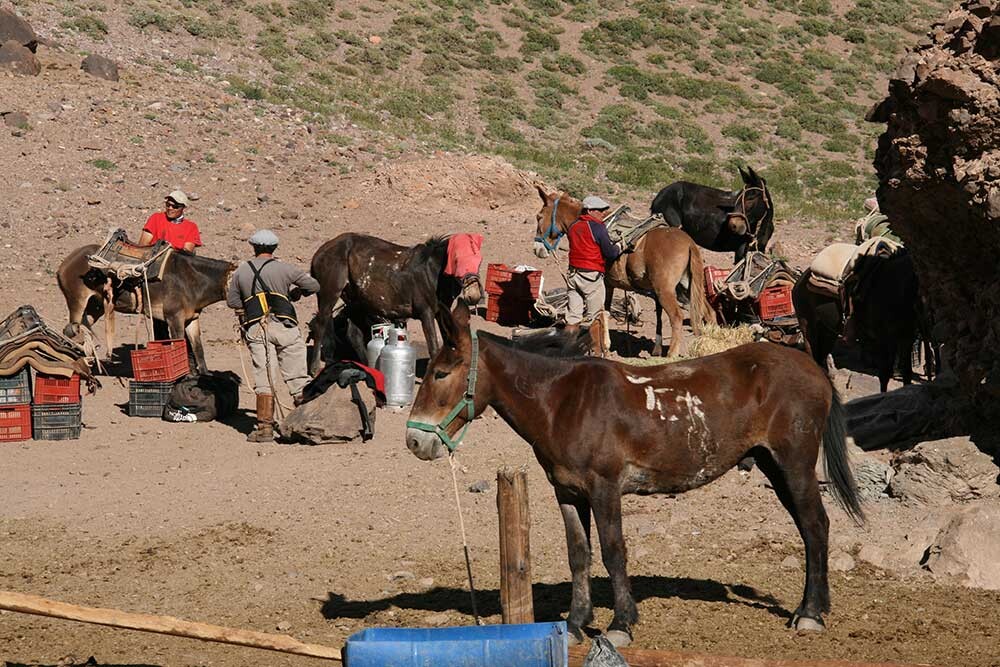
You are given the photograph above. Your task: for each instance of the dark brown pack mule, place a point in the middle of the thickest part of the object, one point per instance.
(378, 281)
(601, 429)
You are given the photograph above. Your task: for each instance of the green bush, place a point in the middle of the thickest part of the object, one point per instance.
(538, 41)
(91, 26)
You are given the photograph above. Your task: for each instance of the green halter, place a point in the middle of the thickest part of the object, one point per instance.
(467, 401)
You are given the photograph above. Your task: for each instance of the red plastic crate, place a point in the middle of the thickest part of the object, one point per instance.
(775, 302)
(712, 275)
(51, 389)
(15, 423)
(161, 361)
(503, 279)
(509, 311)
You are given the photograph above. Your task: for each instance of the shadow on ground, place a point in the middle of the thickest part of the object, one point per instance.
(552, 600)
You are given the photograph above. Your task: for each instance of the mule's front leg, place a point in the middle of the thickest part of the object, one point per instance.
(576, 516)
(606, 502)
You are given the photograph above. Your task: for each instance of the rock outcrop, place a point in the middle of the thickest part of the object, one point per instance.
(938, 164)
(14, 28)
(944, 472)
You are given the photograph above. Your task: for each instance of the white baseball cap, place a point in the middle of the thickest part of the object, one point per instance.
(179, 197)
(595, 203)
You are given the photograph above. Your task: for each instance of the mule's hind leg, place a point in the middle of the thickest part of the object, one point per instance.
(658, 344)
(795, 484)
(576, 517)
(676, 317)
(606, 502)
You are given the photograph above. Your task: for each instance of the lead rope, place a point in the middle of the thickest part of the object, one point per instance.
(465, 543)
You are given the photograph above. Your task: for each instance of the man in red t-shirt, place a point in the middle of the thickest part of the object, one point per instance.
(171, 225)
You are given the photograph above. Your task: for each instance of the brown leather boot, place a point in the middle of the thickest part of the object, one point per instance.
(264, 431)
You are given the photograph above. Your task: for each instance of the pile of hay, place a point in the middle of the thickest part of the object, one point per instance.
(713, 339)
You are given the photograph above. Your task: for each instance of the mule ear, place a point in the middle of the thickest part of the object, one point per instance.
(461, 316)
(753, 174)
(542, 193)
(745, 176)
(449, 330)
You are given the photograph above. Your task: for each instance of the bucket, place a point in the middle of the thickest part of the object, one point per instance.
(526, 645)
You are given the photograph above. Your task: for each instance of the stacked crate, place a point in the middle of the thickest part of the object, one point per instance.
(15, 406)
(155, 370)
(511, 294)
(56, 410)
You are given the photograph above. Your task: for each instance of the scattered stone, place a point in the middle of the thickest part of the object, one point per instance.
(289, 215)
(14, 28)
(17, 119)
(597, 142)
(427, 582)
(101, 67)
(841, 562)
(284, 626)
(873, 478)
(943, 472)
(402, 575)
(791, 563)
(374, 39)
(439, 619)
(967, 550)
(482, 486)
(18, 59)
(872, 555)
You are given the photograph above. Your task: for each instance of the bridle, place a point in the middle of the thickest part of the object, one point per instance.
(741, 204)
(467, 402)
(552, 231)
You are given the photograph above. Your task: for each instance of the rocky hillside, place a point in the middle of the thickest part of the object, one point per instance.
(621, 97)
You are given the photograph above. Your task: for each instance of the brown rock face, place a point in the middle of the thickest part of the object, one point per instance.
(938, 164)
(101, 67)
(18, 59)
(13, 27)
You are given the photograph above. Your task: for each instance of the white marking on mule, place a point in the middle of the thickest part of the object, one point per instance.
(637, 380)
(650, 398)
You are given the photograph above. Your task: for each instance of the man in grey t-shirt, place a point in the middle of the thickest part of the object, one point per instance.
(261, 292)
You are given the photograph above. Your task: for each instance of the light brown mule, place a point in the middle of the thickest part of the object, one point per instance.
(666, 264)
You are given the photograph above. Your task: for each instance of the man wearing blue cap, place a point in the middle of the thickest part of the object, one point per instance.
(261, 292)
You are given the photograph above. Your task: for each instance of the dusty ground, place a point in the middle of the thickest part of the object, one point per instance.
(192, 521)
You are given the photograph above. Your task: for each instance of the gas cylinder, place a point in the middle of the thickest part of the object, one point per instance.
(398, 363)
(374, 348)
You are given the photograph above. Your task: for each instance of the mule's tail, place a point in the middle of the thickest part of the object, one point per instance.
(835, 463)
(699, 310)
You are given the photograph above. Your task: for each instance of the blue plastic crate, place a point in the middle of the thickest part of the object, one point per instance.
(527, 645)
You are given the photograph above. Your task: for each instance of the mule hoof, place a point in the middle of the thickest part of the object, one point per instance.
(806, 624)
(618, 638)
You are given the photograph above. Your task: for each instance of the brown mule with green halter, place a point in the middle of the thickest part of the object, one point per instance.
(601, 429)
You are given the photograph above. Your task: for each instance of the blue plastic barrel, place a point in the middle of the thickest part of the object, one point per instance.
(527, 645)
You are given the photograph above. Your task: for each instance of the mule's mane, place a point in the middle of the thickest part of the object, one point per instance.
(556, 343)
(435, 247)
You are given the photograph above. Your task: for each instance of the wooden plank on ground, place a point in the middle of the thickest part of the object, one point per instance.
(652, 658)
(164, 625)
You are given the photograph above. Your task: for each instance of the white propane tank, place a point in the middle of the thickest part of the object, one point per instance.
(398, 363)
(379, 333)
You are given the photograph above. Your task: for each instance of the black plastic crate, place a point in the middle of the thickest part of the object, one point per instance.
(16, 389)
(147, 399)
(57, 421)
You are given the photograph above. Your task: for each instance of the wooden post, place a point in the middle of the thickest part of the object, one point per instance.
(515, 551)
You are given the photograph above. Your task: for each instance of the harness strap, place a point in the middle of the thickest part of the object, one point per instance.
(552, 231)
(467, 402)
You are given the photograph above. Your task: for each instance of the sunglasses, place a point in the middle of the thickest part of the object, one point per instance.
(172, 204)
